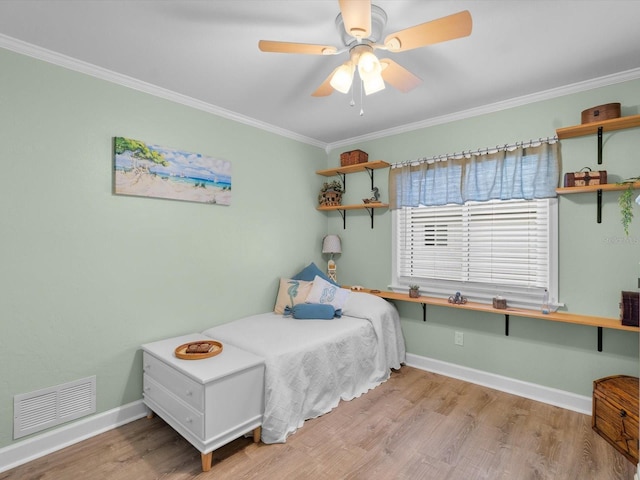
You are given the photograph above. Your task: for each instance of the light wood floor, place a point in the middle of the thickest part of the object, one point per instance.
(417, 425)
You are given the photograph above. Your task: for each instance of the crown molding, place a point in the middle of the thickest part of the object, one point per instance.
(49, 56)
(71, 63)
(578, 87)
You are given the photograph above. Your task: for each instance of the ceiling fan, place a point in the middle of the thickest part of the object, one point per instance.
(360, 24)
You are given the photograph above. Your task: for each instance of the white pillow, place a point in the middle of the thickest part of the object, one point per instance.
(327, 293)
(288, 289)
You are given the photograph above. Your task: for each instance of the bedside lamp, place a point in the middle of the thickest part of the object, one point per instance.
(331, 244)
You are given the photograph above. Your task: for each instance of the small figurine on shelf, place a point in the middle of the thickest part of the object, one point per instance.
(375, 198)
(499, 302)
(414, 291)
(458, 299)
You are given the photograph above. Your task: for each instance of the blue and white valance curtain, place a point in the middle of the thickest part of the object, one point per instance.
(519, 171)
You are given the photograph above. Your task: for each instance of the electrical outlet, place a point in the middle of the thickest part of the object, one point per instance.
(458, 338)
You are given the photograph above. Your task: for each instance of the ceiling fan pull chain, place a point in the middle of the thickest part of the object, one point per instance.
(361, 100)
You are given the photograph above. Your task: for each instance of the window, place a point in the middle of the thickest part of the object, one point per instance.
(481, 249)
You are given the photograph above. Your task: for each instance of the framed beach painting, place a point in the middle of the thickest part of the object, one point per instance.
(145, 170)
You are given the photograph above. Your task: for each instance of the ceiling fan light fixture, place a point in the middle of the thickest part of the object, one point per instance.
(368, 65)
(343, 78)
(373, 84)
(360, 25)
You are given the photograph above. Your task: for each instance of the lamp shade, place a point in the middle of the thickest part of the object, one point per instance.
(368, 65)
(342, 79)
(331, 244)
(373, 85)
(370, 71)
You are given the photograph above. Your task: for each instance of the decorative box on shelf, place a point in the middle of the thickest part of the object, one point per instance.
(499, 303)
(629, 306)
(601, 112)
(353, 157)
(585, 177)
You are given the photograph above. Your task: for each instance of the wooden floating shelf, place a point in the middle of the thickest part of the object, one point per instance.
(563, 317)
(368, 167)
(342, 210)
(359, 206)
(607, 187)
(591, 128)
(359, 167)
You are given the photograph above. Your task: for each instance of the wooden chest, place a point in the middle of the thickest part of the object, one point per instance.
(615, 413)
(585, 177)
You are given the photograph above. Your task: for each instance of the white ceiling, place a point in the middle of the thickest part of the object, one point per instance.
(207, 52)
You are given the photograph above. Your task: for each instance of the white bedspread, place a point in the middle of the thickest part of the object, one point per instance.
(313, 364)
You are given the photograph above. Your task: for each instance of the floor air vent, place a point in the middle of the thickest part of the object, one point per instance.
(52, 406)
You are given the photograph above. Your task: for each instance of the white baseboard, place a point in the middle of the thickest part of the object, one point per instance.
(37, 446)
(540, 393)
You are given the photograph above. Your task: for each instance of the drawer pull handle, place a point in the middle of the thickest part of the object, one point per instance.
(623, 413)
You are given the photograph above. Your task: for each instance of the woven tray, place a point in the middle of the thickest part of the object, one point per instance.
(215, 349)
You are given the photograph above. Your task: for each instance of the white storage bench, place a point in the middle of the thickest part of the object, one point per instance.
(210, 401)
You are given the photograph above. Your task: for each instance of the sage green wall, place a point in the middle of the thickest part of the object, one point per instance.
(87, 276)
(596, 261)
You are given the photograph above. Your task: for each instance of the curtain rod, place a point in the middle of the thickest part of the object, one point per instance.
(480, 151)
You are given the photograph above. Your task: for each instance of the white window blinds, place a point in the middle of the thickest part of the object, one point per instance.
(483, 249)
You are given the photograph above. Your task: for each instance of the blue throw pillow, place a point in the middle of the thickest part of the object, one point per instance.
(309, 272)
(313, 311)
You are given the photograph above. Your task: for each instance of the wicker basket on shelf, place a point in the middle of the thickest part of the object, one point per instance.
(353, 158)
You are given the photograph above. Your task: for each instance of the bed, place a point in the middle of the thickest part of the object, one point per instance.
(312, 364)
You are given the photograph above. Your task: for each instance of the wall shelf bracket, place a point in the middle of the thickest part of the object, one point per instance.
(343, 178)
(600, 130)
(424, 312)
(370, 210)
(599, 215)
(370, 172)
(599, 339)
(343, 214)
(506, 324)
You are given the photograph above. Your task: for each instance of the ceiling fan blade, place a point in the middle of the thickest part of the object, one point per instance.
(325, 89)
(398, 76)
(446, 28)
(356, 15)
(288, 47)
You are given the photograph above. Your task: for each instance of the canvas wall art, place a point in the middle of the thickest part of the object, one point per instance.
(146, 170)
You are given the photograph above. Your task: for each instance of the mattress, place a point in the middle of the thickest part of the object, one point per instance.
(310, 365)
